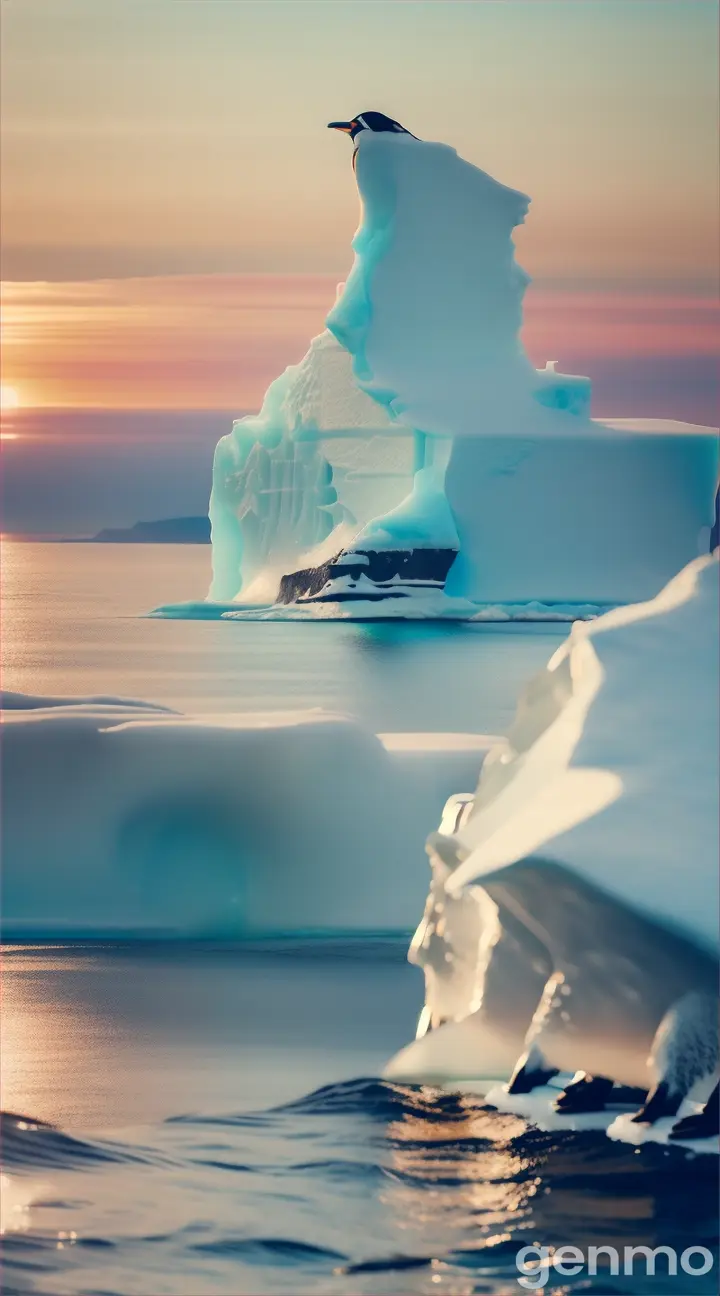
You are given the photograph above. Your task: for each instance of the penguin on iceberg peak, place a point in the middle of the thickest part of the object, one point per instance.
(376, 122)
(372, 121)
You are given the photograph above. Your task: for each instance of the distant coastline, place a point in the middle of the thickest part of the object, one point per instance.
(180, 530)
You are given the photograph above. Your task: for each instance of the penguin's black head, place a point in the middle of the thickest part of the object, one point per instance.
(372, 121)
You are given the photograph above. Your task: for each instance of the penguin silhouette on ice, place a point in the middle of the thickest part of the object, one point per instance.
(372, 121)
(376, 122)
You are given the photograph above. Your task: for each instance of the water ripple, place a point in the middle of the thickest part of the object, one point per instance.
(421, 1187)
(259, 1250)
(34, 1144)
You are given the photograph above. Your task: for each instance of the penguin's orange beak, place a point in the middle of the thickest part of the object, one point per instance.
(342, 126)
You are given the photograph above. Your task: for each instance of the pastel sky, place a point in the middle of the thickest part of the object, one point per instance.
(175, 216)
(184, 136)
(217, 341)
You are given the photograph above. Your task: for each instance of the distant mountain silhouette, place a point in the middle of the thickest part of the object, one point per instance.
(182, 530)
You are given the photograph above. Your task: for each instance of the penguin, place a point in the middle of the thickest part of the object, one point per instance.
(372, 121)
(703, 1125)
(685, 1051)
(376, 122)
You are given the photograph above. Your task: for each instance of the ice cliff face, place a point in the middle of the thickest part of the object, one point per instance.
(319, 454)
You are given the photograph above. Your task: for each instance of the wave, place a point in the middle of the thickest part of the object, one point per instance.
(33, 1144)
(381, 1099)
(366, 1185)
(273, 1250)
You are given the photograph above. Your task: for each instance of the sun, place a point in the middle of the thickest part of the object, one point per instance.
(9, 398)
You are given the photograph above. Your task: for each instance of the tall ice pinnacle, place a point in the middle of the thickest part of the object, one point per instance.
(435, 295)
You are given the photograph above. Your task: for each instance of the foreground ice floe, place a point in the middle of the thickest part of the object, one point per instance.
(416, 464)
(582, 877)
(624, 717)
(123, 817)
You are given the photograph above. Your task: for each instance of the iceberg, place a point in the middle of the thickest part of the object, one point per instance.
(417, 426)
(590, 852)
(123, 817)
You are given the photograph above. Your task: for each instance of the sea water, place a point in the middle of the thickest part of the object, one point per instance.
(215, 1120)
(74, 623)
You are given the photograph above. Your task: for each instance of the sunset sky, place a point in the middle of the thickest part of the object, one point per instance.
(176, 216)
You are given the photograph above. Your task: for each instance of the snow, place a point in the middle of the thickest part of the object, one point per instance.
(537, 1108)
(612, 764)
(421, 605)
(622, 1130)
(409, 603)
(122, 817)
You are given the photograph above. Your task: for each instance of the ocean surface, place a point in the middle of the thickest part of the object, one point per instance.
(188, 1119)
(74, 623)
